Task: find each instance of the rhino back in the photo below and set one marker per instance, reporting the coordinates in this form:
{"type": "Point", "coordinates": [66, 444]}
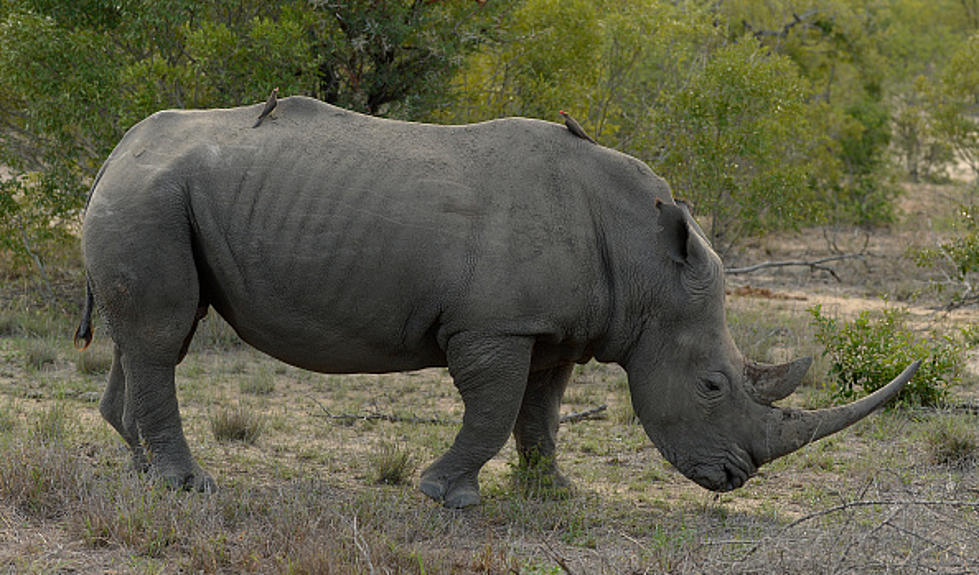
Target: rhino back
{"type": "Point", "coordinates": [340, 242]}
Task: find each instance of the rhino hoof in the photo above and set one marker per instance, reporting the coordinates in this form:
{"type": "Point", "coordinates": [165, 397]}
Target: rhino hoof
{"type": "Point", "coordinates": [198, 481]}
{"type": "Point", "coordinates": [455, 494]}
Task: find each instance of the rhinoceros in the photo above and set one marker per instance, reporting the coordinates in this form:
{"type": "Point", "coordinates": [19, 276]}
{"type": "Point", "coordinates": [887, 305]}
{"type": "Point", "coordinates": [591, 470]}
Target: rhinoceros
{"type": "Point", "coordinates": [507, 250]}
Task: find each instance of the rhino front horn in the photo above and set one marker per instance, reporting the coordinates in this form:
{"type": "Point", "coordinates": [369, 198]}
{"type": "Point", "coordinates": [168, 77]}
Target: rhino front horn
{"type": "Point", "coordinates": [786, 430]}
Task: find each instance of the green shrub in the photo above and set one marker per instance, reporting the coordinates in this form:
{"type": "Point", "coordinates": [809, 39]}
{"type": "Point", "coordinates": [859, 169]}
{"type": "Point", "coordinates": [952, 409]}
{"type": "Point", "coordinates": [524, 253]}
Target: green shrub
{"type": "Point", "coordinates": [957, 258]}
{"type": "Point", "coordinates": [870, 351]}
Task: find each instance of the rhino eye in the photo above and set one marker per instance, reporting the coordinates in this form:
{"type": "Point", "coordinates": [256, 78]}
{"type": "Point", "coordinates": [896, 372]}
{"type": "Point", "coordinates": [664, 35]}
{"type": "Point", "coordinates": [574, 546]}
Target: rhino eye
{"type": "Point", "coordinates": [714, 384]}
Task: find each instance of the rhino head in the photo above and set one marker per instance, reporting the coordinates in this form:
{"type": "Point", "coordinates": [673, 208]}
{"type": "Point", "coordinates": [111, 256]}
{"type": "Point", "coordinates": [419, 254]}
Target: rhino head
{"type": "Point", "coordinates": [707, 408]}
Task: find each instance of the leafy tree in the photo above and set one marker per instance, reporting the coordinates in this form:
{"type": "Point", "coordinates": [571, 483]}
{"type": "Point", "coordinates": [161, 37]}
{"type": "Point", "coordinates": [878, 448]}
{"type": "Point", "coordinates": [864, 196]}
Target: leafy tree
{"type": "Point", "coordinates": [607, 62]}
{"type": "Point", "coordinates": [739, 142]}
{"type": "Point", "coordinates": [75, 75]}
{"type": "Point", "coordinates": [955, 103]}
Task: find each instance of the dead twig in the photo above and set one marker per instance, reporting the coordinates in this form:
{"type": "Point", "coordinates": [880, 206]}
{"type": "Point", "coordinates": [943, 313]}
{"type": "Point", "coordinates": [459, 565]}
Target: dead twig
{"type": "Point", "coordinates": [593, 413]}
{"type": "Point", "coordinates": [813, 264]}
{"type": "Point", "coordinates": [853, 504]}
{"type": "Point", "coordinates": [374, 416]}
{"type": "Point", "coordinates": [390, 417]}
{"type": "Point", "coordinates": [549, 550]}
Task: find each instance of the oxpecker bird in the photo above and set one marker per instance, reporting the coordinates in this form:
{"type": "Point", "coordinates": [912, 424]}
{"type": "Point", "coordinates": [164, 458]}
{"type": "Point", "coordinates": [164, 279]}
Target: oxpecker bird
{"type": "Point", "coordinates": [574, 127]}
{"type": "Point", "coordinates": [269, 106]}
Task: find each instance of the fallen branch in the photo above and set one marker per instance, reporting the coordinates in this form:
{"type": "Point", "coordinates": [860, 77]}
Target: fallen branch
{"type": "Point", "coordinates": [593, 413]}
{"type": "Point", "coordinates": [374, 416]}
{"type": "Point", "coordinates": [814, 264]}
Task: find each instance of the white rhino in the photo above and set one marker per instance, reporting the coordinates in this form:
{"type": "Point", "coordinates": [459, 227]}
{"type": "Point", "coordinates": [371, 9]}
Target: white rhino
{"type": "Point", "coordinates": [507, 250]}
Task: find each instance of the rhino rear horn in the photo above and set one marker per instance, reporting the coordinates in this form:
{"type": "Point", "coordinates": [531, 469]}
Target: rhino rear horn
{"type": "Point", "coordinates": [768, 383]}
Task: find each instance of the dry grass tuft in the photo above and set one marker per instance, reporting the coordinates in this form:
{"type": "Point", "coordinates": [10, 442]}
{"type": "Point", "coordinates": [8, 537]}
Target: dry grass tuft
{"type": "Point", "coordinates": [237, 424]}
{"type": "Point", "coordinates": [96, 360]}
{"type": "Point", "coordinates": [953, 441]}
{"type": "Point", "coordinates": [40, 353]}
{"type": "Point", "coordinates": [393, 464]}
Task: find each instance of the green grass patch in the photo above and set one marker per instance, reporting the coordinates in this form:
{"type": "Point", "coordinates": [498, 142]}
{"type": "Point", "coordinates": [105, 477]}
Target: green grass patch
{"type": "Point", "coordinates": [261, 383]}
{"type": "Point", "coordinates": [393, 464]}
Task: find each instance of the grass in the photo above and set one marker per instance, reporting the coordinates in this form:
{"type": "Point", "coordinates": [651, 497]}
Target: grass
{"type": "Point", "coordinates": [953, 440]}
{"type": "Point", "coordinates": [237, 424]}
{"type": "Point", "coordinates": [40, 353]}
{"type": "Point", "coordinates": [96, 360]}
{"type": "Point", "coordinates": [52, 425]}
{"type": "Point", "coordinates": [392, 464]}
{"type": "Point", "coordinates": [297, 501]}
{"type": "Point", "coordinates": [261, 383]}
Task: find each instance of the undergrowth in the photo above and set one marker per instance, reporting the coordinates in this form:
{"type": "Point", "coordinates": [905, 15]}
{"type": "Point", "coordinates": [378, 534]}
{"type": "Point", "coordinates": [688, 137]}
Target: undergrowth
{"type": "Point", "coordinates": [874, 348]}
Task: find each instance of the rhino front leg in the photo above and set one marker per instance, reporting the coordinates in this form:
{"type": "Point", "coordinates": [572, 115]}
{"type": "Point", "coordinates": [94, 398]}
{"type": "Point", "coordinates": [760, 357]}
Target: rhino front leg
{"type": "Point", "coordinates": [116, 408]}
{"type": "Point", "coordinates": [153, 399]}
{"type": "Point", "coordinates": [491, 375]}
{"type": "Point", "coordinates": [536, 431]}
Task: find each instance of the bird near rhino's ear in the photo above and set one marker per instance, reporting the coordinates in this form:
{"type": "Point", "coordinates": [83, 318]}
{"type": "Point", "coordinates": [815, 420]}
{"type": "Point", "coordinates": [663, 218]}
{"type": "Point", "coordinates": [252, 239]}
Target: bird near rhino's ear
{"type": "Point", "coordinates": [674, 231]}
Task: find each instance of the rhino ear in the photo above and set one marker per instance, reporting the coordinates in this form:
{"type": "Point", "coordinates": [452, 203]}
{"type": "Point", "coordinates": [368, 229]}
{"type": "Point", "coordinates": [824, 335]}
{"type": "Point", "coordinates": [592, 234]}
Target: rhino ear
{"type": "Point", "coordinates": [675, 232]}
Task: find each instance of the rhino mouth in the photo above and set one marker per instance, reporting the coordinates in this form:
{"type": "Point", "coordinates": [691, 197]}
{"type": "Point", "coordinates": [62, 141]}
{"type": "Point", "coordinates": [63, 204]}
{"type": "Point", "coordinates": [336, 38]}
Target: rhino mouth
{"type": "Point", "coordinates": [731, 472]}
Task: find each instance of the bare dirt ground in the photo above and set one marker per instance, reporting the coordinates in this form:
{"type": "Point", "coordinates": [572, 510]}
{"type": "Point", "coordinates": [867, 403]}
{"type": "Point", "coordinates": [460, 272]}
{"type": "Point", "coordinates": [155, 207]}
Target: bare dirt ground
{"type": "Point", "coordinates": [304, 499]}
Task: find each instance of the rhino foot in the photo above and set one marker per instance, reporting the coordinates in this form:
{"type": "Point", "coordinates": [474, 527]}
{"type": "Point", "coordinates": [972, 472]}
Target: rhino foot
{"type": "Point", "coordinates": [456, 493]}
{"type": "Point", "coordinates": [194, 480]}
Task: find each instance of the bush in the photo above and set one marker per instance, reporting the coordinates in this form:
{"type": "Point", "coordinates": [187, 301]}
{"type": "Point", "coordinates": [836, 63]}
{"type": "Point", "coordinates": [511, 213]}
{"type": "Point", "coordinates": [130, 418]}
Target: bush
{"type": "Point", "coordinates": [873, 349]}
{"type": "Point", "coordinates": [957, 258]}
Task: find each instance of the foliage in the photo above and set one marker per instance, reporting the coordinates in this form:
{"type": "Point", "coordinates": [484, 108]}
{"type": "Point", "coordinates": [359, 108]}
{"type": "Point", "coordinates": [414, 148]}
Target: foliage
{"type": "Point", "coordinates": [957, 258]}
{"type": "Point", "coordinates": [740, 143]}
{"type": "Point", "coordinates": [955, 102]}
{"type": "Point", "coordinates": [873, 349]}
{"type": "Point", "coordinates": [75, 76]}
{"type": "Point", "coordinates": [720, 119]}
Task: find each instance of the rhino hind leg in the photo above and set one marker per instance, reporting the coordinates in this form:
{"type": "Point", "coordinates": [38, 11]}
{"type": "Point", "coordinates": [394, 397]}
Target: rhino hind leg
{"type": "Point", "coordinates": [535, 433]}
{"type": "Point", "coordinates": [491, 375]}
{"type": "Point", "coordinates": [154, 402]}
{"type": "Point", "coordinates": [149, 295]}
{"type": "Point", "coordinates": [117, 409]}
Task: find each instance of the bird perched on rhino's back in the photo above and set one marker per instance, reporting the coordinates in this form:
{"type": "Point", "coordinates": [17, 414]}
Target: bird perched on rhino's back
{"type": "Point", "coordinates": [575, 128]}
{"type": "Point", "coordinates": [269, 106]}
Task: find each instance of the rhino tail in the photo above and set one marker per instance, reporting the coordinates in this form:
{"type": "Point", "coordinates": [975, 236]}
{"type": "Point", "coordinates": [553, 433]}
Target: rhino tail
{"type": "Point", "coordinates": [83, 335]}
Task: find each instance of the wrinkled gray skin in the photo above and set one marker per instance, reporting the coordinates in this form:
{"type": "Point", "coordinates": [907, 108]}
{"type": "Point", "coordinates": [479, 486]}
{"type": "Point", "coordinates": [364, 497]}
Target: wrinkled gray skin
{"type": "Point", "coordinates": [507, 250]}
